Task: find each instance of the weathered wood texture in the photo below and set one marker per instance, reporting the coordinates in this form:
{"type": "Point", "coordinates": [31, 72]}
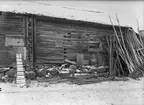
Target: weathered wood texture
{"type": "Point", "coordinates": [11, 25]}
{"type": "Point", "coordinates": [49, 44]}
{"type": "Point", "coordinates": [56, 41]}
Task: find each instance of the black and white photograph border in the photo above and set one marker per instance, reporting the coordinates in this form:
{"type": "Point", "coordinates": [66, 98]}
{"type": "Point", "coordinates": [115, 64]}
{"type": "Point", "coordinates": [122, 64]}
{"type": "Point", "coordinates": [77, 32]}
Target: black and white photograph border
{"type": "Point", "coordinates": [71, 52]}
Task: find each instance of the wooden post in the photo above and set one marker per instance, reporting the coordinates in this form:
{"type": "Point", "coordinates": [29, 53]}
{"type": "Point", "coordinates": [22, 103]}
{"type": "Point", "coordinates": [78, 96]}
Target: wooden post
{"type": "Point", "coordinates": [30, 37]}
{"type": "Point", "coordinates": [34, 42]}
{"type": "Point", "coordinates": [80, 58]}
{"type": "Point", "coordinates": [111, 57]}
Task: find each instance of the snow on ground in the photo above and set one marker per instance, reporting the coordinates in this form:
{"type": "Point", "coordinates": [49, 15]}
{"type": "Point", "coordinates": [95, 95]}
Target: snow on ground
{"type": "Point", "coordinates": [106, 93]}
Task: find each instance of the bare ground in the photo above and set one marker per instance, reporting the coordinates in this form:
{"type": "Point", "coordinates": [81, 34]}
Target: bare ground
{"type": "Point", "coordinates": [129, 92]}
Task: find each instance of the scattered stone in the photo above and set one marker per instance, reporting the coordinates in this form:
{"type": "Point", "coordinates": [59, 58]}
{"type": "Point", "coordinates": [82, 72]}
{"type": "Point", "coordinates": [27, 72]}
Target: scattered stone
{"type": "Point", "coordinates": [38, 78]}
{"type": "Point", "coordinates": [47, 72]}
{"type": "Point", "coordinates": [5, 78]}
{"type": "Point", "coordinates": [64, 66]}
{"type": "Point", "coordinates": [4, 70]}
{"type": "Point", "coordinates": [30, 75]}
{"type": "Point", "coordinates": [11, 73]}
{"type": "Point", "coordinates": [78, 71]}
{"type": "Point", "coordinates": [1, 75]}
{"type": "Point", "coordinates": [48, 75]}
{"type": "Point", "coordinates": [41, 72]}
{"type": "Point", "coordinates": [54, 71]}
{"type": "Point", "coordinates": [73, 67]}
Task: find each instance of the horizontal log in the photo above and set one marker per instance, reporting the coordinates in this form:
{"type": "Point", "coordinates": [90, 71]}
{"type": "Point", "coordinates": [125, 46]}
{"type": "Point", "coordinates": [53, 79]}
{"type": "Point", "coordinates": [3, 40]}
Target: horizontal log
{"type": "Point", "coordinates": [12, 32]}
{"type": "Point", "coordinates": [52, 49]}
{"type": "Point", "coordinates": [48, 24]}
{"type": "Point", "coordinates": [49, 34]}
{"type": "Point", "coordinates": [11, 15]}
{"type": "Point", "coordinates": [55, 29]}
{"type": "Point", "coordinates": [47, 61]}
{"type": "Point", "coordinates": [48, 51]}
{"type": "Point", "coordinates": [51, 58]}
{"type": "Point", "coordinates": [4, 51]}
{"type": "Point", "coordinates": [12, 27]}
{"type": "Point", "coordinates": [6, 61]}
{"type": "Point", "coordinates": [11, 22]}
{"type": "Point", "coordinates": [83, 35]}
{"type": "Point", "coordinates": [71, 58]}
{"type": "Point", "coordinates": [2, 40]}
{"type": "Point", "coordinates": [55, 38]}
{"type": "Point", "coordinates": [70, 55]}
{"type": "Point", "coordinates": [3, 47]}
{"type": "Point", "coordinates": [45, 45]}
{"type": "Point", "coordinates": [72, 38]}
{"type": "Point", "coordinates": [64, 42]}
{"type": "Point", "coordinates": [14, 36]}
{"type": "Point", "coordinates": [16, 20]}
{"type": "Point", "coordinates": [49, 55]}
{"type": "Point", "coordinates": [2, 63]}
{"type": "Point", "coordinates": [45, 42]}
{"type": "Point", "coordinates": [75, 36]}
{"type": "Point", "coordinates": [49, 38]}
{"type": "Point", "coordinates": [38, 53]}
{"type": "Point", "coordinates": [75, 51]}
{"type": "Point", "coordinates": [76, 48]}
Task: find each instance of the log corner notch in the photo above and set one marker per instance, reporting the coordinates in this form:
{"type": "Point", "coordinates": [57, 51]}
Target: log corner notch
{"type": "Point", "coordinates": [29, 23]}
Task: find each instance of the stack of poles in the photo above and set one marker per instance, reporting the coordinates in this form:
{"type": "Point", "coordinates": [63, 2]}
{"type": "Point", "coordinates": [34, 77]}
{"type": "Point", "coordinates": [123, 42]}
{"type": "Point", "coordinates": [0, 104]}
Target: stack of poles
{"type": "Point", "coordinates": [124, 50]}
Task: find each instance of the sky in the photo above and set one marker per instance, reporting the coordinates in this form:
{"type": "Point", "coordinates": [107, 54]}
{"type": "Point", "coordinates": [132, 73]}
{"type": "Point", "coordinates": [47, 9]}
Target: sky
{"type": "Point", "coordinates": [129, 12]}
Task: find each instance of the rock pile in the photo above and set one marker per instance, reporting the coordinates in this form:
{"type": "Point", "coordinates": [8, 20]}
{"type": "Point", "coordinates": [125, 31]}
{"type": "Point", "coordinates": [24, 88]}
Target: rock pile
{"type": "Point", "coordinates": [50, 71]}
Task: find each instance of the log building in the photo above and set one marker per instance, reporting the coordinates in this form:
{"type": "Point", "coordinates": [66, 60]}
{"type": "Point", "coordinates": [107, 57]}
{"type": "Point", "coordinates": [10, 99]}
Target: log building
{"type": "Point", "coordinates": [44, 39]}
{"type": "Point", "coordinates": [50, 39]}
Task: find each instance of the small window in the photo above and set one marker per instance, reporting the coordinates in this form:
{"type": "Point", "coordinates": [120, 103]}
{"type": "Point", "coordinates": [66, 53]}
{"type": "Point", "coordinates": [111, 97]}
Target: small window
{"type": "Point", "coordinates": [94, 46]}
{"type": "Point", "coordinates": [14, 41]}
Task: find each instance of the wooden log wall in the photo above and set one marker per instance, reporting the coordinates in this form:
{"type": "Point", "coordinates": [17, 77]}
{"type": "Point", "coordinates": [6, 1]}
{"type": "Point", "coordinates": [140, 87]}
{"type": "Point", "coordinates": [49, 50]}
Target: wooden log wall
{"type": "Point", "coordinates": [49, 44]}
{"type": "Point", "coordinates": [56, 41]}
{"type": "Point", "coordinates": [10, 25]}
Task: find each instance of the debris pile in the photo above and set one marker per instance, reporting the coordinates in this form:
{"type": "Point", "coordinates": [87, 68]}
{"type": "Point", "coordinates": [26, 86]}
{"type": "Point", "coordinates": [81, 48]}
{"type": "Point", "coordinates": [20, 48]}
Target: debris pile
{"type": "Point", "coordinates": [8, 74]}
{"type": "Point", "coordinates": [68, 71]}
